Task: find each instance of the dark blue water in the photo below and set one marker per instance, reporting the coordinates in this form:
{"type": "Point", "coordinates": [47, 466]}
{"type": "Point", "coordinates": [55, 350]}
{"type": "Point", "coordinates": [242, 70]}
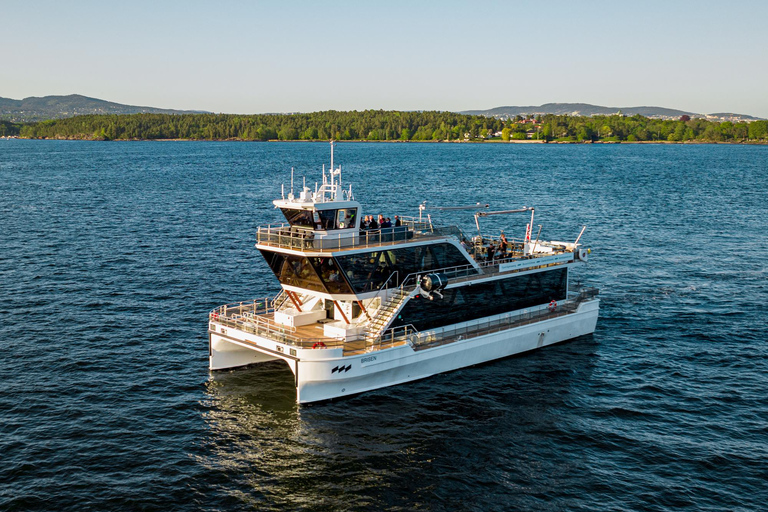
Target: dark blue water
{"type": "Point", "coordinates": [113, 253]}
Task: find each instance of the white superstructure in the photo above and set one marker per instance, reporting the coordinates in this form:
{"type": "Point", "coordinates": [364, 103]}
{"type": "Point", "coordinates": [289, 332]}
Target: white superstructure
{"type": "Point", "coordinates": [364, 308]}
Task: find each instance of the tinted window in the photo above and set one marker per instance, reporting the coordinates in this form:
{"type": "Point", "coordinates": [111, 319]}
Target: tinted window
{"type": "Point", "coordinates": [485, 299]}
{"type": "Point", "coordinates": [293, 270]}
{"type": "Point", "coordinates": [317, 274]}
{"type": "Point", "coordinates": [369, 271]}
{"type": "Point", "coordinates": [331, 275]}
{"type": "Point", "coordinates": [327, 219]}
{"type": "Point", "coordinates": [301, 218]}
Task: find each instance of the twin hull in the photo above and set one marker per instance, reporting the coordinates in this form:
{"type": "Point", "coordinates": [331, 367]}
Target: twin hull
{"type": "Point", "coordinates": [323, 374]}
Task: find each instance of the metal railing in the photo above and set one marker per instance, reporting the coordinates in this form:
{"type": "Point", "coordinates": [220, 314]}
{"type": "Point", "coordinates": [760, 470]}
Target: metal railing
{"type": "Point", "coordinates": [253, 318]}
{"type": "Point", "coordinates": [470, 270]}
{"type": "Point", "coordinates": [286, 236]}
{"type": "Point", "coordinates": [390, 338]}
{"type": "Point", "coordinates": [429, 339]}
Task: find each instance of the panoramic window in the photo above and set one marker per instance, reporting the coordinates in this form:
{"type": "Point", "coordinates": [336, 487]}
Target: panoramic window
{"type": "Point", "coordinates": [293, 270]}
{"type": "Point", "coordinates": [370, 271]}
{"type": "Point", "coordinates": [319, 274]}
{"type": "Point", "coordinates": [331, 275]}
{"type": "Point", "coordinates": [485, 299]}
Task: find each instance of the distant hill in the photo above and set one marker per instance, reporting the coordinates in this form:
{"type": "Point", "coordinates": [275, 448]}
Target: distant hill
{"type": "Point", "coordinates": [58, 107]}
{"type": "Point", "coordinates": [585, 109]}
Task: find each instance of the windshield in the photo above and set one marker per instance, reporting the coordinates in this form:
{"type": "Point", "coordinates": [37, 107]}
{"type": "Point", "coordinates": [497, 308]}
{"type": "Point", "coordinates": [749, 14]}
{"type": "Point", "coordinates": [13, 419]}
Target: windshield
{"type": "Point", "coordinates": [302, 218]}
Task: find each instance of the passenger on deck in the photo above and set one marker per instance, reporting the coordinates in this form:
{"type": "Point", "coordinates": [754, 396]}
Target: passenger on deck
{"type": "Point", "coordinates": [491, 251]}
{"type": "Point", "coordinates": [373, 224]}
{"type": "Point", "coordinates": [503, 244]}
{"type": "Point", "coordinates": [397, 221]}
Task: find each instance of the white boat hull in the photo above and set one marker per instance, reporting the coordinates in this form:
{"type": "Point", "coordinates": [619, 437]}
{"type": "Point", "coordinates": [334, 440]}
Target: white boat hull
{"type": "Point", "coordinates": [325, 374]}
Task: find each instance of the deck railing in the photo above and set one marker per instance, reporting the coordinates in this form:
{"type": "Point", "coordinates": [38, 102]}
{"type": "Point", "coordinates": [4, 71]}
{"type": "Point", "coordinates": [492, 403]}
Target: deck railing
{"type": "Point", "coordinates": [286, 236]}
{"type": "Point", "coordinates": [252, 318]}
{"type": "Point", "coordinates": [437, 337]}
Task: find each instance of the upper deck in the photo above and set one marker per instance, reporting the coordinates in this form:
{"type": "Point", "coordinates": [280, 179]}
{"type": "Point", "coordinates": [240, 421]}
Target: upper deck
{"type": "Point", "coordinates": [285, 236]}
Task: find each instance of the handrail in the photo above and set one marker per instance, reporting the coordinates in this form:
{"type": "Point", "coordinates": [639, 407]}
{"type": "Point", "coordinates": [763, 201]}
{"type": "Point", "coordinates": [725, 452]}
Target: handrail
{"type": "Point", "coordinates": [390, 337]}
{"type": "Point", "coordinates": [428, 339]}
{"type": "Point", "coordinates": [383, 287]}
{"type": "Point", "coordinates": [293, 237]}
{"type": "Point", "coordinates": [457, 271]}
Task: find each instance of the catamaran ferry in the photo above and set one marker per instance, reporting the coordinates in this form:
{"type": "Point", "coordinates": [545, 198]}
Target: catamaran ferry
{"type": "Point", "coordinates": [362, 309]}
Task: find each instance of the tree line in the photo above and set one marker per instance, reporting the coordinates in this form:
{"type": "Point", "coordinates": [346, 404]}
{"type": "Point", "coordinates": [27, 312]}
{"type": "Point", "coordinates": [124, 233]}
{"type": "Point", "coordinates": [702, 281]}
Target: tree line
{"type": "Point", "coordinates": [374, 125]}
{"type": "Point", "coordinates": [365, 125]}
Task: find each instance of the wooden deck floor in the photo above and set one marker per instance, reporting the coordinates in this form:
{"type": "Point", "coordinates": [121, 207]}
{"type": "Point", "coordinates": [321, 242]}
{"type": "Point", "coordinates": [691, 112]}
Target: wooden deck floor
{"type": "Point", "coordinates": [314, 333]}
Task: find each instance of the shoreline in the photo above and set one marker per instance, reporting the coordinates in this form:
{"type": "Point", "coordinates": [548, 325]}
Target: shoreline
{"type": "Point", "coordinates": [663, 142]}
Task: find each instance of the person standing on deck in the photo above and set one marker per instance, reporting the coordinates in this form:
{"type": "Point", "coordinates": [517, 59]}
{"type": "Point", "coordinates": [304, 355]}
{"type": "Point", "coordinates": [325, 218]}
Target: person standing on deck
{"type": "Point", "coordinates": [491, 251]}
{"type": "Point", "coordinates": [503, 246]}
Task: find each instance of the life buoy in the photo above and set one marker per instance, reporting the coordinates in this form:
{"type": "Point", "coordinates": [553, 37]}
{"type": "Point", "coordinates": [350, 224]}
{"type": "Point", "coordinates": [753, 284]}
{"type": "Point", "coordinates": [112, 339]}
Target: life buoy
{"type": "Point", "coordinates": [319, 344]}
{"type": "Point", "coordinates": [214, 316]}
{"type": "Point", "coordinates": [553, 306]}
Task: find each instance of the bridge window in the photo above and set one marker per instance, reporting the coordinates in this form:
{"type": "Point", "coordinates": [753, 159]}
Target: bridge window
{"type": "Point", "coordinates": [299, 218]}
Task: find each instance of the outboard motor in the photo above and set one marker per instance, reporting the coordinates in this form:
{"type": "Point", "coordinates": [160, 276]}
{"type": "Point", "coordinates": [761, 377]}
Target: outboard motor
{"type": "Point", "coordinates": [432, 284]}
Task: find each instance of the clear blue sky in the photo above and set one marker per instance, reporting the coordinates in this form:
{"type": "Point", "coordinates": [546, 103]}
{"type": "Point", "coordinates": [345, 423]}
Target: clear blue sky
{"type": "Point", "coordinates": [281, 56]}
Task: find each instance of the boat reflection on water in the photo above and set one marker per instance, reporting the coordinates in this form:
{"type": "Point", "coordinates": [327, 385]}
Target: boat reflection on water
{"type": "Point", "coordinates": [405, 446]}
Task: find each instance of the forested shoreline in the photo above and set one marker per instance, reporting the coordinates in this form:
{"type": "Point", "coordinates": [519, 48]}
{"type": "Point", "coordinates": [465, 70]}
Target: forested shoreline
{"type": "Point", "coordinates": [379, 125]}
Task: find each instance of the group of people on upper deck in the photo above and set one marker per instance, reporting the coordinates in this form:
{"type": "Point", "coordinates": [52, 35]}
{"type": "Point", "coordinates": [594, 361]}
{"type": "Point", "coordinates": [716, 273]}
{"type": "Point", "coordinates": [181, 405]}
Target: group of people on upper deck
{"type": "Point", "coordinates": [492, 251]}
{"type": "Point", "coordinates": [370, 222]}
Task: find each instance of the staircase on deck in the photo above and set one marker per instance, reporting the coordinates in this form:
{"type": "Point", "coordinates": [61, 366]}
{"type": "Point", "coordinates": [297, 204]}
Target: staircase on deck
{"type": "Point", "coordinates": [385, 315]}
